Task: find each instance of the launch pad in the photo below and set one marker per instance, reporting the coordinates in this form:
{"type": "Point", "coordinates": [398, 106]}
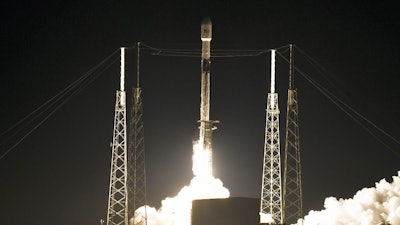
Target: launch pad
{"type": "Point", "coordinates": [177, 210]}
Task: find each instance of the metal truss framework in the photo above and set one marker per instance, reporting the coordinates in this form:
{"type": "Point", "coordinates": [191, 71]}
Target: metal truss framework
{"type": "Point", "coordinates": [271, 184]}
{"type": "Point", "coordinates": [136, 158]}
{"type": "Point", "coordinates": [117, 213]}
{"type": "Point", "coordinates": [292, 192]}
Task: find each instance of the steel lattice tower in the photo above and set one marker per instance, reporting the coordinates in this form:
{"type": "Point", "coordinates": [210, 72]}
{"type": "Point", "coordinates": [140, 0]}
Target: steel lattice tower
{"type": "Point", "coordinates": [136, 154]}
{"type": "Point", "coordinates": [271, 201]}
{"type": "Point", "coordinates": [292, 193]}
{"type": "Point", "coordinates": [117, 213]}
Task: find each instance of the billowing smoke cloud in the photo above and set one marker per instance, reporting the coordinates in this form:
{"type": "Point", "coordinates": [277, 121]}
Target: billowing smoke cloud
{"type": "Point", "coordinates": [177, 210]}
{"type": "Point", "coordinates": [369, 206]}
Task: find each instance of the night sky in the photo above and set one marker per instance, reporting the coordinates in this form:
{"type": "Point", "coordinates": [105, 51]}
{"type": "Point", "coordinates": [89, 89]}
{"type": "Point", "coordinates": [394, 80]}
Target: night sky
{"type": "Point", "coordinates": [60, 173]}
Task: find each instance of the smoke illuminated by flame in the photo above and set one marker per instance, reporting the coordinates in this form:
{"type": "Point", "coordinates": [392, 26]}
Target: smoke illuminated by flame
{"type": "Point", "coordinates": [370, 206]}
{"type": "Point", "coordinates": [177, 210]}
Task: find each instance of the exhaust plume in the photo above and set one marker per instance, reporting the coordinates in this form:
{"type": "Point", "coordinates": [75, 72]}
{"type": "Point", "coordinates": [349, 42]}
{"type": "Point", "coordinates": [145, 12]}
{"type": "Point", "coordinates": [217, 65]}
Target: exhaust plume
{"type": "Point", "coordinates": [177, 210]}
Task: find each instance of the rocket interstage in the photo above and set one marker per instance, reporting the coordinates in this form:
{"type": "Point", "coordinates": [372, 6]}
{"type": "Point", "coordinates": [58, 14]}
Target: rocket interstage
{"type": "Point", "coordinates": [203, 149]}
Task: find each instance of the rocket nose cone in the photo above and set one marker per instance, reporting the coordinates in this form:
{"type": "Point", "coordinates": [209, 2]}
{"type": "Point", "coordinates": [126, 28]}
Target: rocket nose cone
{"type": "Point", "coordinates": [206, 21]}
{"type": "Point", "coordinates": [206, 28]}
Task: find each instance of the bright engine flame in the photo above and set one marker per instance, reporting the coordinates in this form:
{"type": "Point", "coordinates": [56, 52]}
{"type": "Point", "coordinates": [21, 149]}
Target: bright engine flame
{"type": "Point", "coordinates": [202, 165]}
{"type": "Point", "coordinates": [177, 210]}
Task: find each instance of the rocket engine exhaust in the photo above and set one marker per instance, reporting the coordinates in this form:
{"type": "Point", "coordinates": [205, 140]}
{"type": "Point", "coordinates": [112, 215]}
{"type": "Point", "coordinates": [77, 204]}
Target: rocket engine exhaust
{"type": "Point", "coordinates": [204, 145]}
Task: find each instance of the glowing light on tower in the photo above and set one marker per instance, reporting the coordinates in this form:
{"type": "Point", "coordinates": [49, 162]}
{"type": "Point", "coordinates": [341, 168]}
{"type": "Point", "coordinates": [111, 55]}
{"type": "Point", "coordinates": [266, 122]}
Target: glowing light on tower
{"type": "Point", "coordinates": [272, 73]}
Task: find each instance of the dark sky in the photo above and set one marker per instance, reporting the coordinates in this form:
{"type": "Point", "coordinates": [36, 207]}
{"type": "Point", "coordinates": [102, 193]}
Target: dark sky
{"type": "Point", "coordinates": [60, 173]}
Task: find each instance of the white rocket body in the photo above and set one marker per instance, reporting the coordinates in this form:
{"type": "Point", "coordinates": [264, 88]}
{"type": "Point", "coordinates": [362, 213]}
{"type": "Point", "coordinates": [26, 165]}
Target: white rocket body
{"type": "Point", "coordinates": [202, 157]}
{"type": "Point", "coordinates": [205, 69]}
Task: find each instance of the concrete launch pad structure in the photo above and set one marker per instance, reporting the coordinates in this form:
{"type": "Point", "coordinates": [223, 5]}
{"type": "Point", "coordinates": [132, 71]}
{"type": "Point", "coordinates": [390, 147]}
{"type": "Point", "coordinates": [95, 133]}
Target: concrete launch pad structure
{"type": "Point", "coordinates": [232, 211]}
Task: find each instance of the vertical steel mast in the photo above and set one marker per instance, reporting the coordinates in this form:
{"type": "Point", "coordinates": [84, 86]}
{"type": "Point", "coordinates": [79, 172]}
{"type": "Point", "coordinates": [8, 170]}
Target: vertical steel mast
{"type": "Point", "coordinates": [136, 155]}
{"type": "Point", "coordinates": [271, 201]}
{"type": "Point", "coordinates": [117, 213]}
{"type": "Point", "coordinates": [292, 193]}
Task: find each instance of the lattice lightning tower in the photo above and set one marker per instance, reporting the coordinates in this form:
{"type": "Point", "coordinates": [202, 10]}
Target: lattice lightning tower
{"type": "Point", "coordinates": [292, 193]}
{"type": "Point", "coordinates": [136, 154]}
{"type": "Point", "coordinates": [271, 201]}
{"type": "Point", "coordinates": [117, 213]}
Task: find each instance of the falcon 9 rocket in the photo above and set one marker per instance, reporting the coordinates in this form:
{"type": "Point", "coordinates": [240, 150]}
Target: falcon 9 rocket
{"type": "Point", "coordinates": [202, 162]}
